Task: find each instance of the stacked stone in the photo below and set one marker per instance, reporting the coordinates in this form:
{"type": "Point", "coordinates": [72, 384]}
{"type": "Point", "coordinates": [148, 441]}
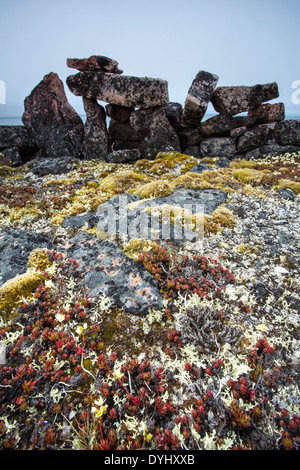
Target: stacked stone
{"type": "Point", "coordinates": [261, 130]}
{"type": "Point", "coordinates": [138, 128]}
{"type": "Point", "coordinates": [142, 121]}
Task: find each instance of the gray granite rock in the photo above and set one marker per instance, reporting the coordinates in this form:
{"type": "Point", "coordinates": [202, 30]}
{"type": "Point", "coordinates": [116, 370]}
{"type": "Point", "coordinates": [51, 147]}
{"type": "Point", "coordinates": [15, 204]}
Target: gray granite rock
{"type": "Point", "coordinates": [105, 270]}
{"type": "Point", "coordinates": [15, 247]}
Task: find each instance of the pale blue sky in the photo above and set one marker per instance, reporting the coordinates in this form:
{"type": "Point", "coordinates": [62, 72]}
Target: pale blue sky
{"type": "Point", "coordinates": [243, 41]}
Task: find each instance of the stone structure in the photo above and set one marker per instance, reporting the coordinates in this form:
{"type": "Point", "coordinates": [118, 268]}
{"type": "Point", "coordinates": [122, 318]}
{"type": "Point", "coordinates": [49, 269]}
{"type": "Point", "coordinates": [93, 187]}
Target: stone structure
{"type": "Point", "coordinates": [138, 120]}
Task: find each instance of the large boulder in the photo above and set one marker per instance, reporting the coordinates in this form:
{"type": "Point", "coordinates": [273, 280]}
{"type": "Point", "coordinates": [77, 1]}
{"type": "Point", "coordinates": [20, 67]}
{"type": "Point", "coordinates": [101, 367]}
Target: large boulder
{"type": "Point", "coordinates": [237, 99]}
{"type": "Point", "coordinates": [198, 97]}
{"type": "Point", "coordinates": [96, 143]}
{"type": "Point", "coordinates": [105, 270]}
{"type": "Point", "coordinates": [93, 63]}
{"type": "Point", "coordinates": [54, 124]}
{"type": "Point", "coordinates": [15, 247]}
{"type": "Point", "coordinates": [122, 90]}
{"type": "Point", "coordinates": [287, 132]}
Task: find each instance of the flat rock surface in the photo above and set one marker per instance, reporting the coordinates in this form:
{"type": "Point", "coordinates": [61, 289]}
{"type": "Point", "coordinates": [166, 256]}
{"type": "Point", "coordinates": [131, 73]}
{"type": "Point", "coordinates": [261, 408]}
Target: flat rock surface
{"type": "Point", "coordinates": [105, 270]}
{"type": "Point", "coordinates": [15, 247]}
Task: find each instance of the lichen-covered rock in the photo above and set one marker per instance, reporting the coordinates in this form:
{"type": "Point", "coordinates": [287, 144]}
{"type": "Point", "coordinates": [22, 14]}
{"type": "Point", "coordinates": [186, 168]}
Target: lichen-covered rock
{"type": "Point", "coordinates": [54, 124]}
{"type": "Point", "coordinates": [237, 99]}
{"type": "Point", "coordinates": [252, 139]}
{"type": "Point", "coordinates": [218, 147]}
{"type": "Point", "coordinates": [105, 270]}
{"type": "Point", "coordinates": [123, 156]}
{"type": "Point", "coordinates": [288, 132]}
{"type": "Point", "coordinates": [174, 112]}
{"type": "Point", "coordinates": [127, 215]}
{"type": "Point", "coordinates": [198, 97]}
{"type": "Point", "coordinates": [122, 90]}
{"type": "Point", "coordinates": [220, 124]}
{"type": "Point", "coordinates": [13, 155]}
{"type": "Point", "coordinates": [42, 166]}
{"type": "Point", "coordinates": [93, 63]}
{"type": "Point", "coordinates": [15, 247]}
{"type": "Point", "coordinates": [189, 137]}
{"type": "Point", "coordinates": [96, 143]}
{"type": "Point", "coordinates": [154, 131]}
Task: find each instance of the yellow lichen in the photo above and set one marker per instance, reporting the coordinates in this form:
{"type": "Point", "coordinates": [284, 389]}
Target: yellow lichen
{"type": "Point", "coordinates": [219, 179]}
{"type": "Point", "coordinates": [223, 217]}
{"type": "Point", "coordinates": [137, 246]}
{"type": "Point", "coordinates": [293, 185]}
{"type": "Point", "coordinates": [174, 163]}
{"type": "Point", "coordinates": [158, 188]}
{"type": "Point", "coordinates": [246, 249]}
{"type": "Point", "coordinates": [248, 175]}
{"type": "Point", "coordinates": [122, 182]}
{"type": "Point", "coordinates": [17, 288]}
{"type": "Point", "coordinates": [39, 259]}
{"type": "Point", "coordinates": [5, 170]}
{"type": "Point", "coordinates": [243, 164]}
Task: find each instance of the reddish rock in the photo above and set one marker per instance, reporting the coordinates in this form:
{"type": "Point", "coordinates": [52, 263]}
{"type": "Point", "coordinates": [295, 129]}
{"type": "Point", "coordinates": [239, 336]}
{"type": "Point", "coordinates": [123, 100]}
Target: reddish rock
{"type": "Point", "coordinates": [122, 131]}
{"type": "Point", "coordinates": [94, 63]}
{"type": "Point", "coordinates": [237, 99]}
{"type": "Point", "coordinates": [267, 113]}
{"type": "Point", "coordinates": [122, 90]}
{"type": "Point", "coordinates": [96, 142]}
{"type": "Point", "coordinates": [51, 120]}
{"type": "Point", "coordinates": [198, 97]}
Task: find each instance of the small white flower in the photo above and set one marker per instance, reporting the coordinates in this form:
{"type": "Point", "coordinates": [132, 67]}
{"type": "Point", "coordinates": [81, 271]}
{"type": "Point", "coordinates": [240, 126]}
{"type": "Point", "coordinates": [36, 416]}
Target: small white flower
{"type": "Point", "coordinates": [60, 317]}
